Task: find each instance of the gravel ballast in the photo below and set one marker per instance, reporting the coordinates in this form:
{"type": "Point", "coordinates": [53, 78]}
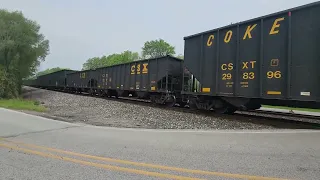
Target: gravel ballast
{"type": "Point", "coordinates": [104, 112]}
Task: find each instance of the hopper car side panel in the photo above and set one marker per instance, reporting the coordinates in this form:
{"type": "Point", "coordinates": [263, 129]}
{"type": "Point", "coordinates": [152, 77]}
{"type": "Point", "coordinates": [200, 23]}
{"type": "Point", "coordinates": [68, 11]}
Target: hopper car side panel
{"type": "Point", "coordinates": [113, 76]}
{"type": "Point", "coordinates": [272, 57]}
{"type": "Point", "coordinates": [132, 78]}
{"type": "Point", "coordinates": [149, 75]}
{"type": "Point", "coordinates": [30, 82]}
{"type": "Point", "coordinates": [117, 77]}
{"type": "Point", "coordinates": [95, 79]}
{"type": "Point", "coordinates": [108, 78]}
{"type": "Point", "coordinates": [80, 81]}
{"type": "Point", "coordinates": [139, 75]}
{"type": "Point", "coordinates": [55, 80]}
{"type": "Point", "coordinates": [122, 76]}
{"type": "Point", "coordinates": [71, 80]}
{"type": "Point", "coordinates": [127, 78]}
{"type": "Point", "coordinates": [157, 77]}
{"type": "Point", "coordinates": [305, 54]}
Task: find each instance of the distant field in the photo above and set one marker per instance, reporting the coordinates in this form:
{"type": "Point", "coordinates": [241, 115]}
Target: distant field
{"type": "Point", "coordinates": [291, 108]}
{"type": "Point", "coordinates": [21, 104]}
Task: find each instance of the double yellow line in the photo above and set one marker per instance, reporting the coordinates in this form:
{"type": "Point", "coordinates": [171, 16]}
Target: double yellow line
{"type": "Point", "coordinates": [15, 146]}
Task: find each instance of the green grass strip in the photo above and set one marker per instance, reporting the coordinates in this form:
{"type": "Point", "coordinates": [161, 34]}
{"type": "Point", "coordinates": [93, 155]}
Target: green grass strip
{"type": "Point", "coordinates": [21, 104]}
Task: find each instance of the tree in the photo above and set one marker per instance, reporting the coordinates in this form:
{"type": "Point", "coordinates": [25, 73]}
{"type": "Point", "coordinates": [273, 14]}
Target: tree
{"type": "Point", "coordinates": [180, 56]}
{"type": "Point", "coordinates": [92, 63]}
{"type": "Point", "coordinates": [52, 70]}
{"type": "Point", "coordinates": [113, 59]}
{"type": "Point", "coordinates": [157, 48]}
{"type": "Point", "coordinates": [22, 49]}
{"type": "Point", "coordinates": [124, 57]}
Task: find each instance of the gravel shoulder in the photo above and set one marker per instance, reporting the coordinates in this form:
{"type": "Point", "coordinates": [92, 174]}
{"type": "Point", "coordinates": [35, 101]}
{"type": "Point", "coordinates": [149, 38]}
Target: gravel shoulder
{"type": "Point", "coordinates": [104, 112]}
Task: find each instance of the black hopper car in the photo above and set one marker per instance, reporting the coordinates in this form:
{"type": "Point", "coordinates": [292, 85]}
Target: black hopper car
{"type": "Point", "coordinates": [158, 79]}
{"type": "Point", "coordinates": [272, 60]}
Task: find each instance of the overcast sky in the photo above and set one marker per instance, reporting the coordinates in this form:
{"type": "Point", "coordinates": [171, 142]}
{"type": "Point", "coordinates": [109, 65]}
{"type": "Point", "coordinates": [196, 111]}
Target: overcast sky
{"type": "Point", "coordinates": [80, 29]}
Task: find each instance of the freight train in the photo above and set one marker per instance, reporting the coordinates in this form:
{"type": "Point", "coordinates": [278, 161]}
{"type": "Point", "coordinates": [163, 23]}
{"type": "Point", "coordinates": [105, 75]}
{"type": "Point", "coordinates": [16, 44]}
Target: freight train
{"type": "Point", "coordinates": [272, 60]}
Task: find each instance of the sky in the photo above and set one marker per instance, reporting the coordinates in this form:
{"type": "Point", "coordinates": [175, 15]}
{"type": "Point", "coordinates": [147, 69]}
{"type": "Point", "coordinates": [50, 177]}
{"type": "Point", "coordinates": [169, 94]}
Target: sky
{"type": "Point", "coordinates": [81, 29]}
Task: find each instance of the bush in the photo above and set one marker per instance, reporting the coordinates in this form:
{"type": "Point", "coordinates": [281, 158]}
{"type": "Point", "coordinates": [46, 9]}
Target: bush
{"type": "Point", "coordinates": [2, 82]}
{"type": "Point", "coordinates": [37, 103]}
{"type": "Point", "coordinates": [9, 87]}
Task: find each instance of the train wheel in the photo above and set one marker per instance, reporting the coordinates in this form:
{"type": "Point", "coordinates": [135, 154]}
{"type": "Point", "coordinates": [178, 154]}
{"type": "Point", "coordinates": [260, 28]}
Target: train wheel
{"type": "Point", "coordinates": [171, 101]}
{"type": "Point", "coordinates": [193, 105]}
{"type": "Point", "coordinates": [182, 104]}
{"type": "Point", "coordinates": [101, 94]}
{"type": "Point", "coordinates": [153, 100]}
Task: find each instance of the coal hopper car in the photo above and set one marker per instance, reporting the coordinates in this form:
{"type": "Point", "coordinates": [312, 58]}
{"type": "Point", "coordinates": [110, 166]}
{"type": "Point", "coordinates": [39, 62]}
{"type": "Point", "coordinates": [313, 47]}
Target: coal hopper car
{"type": "Point", "coordinates": [158, 79]}
{"type": "Point", "coordinates": [272, 60]}
{"type": "Point", "coordinates": [80, 81]}
{"type": "Point", "coordinates": [54, 81]}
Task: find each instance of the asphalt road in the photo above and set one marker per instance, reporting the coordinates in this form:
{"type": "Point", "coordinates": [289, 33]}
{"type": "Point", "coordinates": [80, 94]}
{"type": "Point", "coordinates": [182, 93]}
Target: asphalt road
{"type": "Point", "coordinates": [36, 148]}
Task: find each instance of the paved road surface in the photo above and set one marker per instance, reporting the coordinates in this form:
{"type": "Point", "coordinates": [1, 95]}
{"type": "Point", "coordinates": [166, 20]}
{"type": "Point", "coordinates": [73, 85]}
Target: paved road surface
{"type": "Point", "coordinates": [36, 148]}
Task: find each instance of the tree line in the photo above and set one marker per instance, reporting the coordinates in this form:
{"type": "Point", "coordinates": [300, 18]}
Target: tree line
{"type": "Point", "coordinates": [151, 49]}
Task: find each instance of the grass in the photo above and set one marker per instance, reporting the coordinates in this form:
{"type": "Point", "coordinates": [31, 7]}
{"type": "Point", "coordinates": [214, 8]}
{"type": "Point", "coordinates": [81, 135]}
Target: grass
{"type": "Point", "coordinates": [292, 108]}
{"type": "Point", "coordinates": [21, 104]}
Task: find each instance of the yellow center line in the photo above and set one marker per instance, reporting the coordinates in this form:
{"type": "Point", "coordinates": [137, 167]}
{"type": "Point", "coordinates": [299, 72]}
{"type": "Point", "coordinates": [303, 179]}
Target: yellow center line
{"type": "Point", "coordinates": [104, 166]}
{"type": "Point", "coordinates": [201, 172]}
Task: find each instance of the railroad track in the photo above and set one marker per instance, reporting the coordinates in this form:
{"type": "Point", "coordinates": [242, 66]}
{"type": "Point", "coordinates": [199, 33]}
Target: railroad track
{"type": "Point", "coordinates": [279, 119]}
{"type": "Point", "coordinates": [297, 115]}
{"type": "Point", "coordinates": [257, 112]}
{"type": "Point", "coordinates": [275, 119]}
